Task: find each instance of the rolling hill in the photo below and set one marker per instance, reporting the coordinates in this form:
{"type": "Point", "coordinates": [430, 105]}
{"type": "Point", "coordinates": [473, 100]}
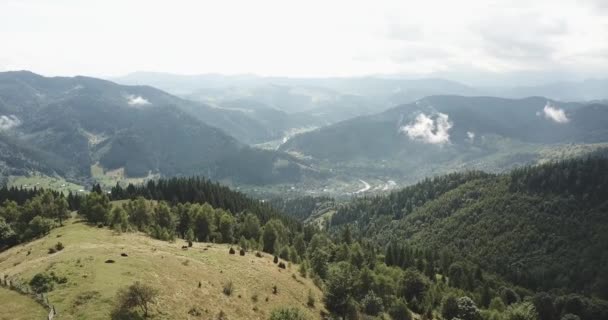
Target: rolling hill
{"type": "Point", "coordinates": [91, 283]}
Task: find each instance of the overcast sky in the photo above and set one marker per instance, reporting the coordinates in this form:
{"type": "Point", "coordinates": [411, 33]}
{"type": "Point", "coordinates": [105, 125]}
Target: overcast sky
{"type": "Point", "coordinates": [456, 39]}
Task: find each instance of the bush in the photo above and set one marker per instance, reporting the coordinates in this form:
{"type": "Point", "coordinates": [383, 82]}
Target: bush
{"type": "Point", "coordinates": [289, 313]}
{"type": "Point", "coordinates": [399, 311]}
{"type": "Point", "coordinates": [137, 295]}
{"type": "Point", "coordinates": [467, 310]}
{"type": "Point", "coordinates": [281, 265]}
{"type": "Point", "coordinates": [242, 252]}
{"type": "Point", "coordinates": [222, 315]}
{"type": "Point", "coordinates": [231, 251]}
{"type": "Point", "coordinates": [449, 307]}
{"type": "Point", "coordinates": [371, 304]}
{"type": "Point", "coordinates": [52, 250]}
{"type": "Point", "coordinates": [311, 299]}
{"type": "Point", "coordinates": [276, 259]}
{"type": "Point", "coordinates": [228, 288]}
{"type": "Point", "coordinates": [258, 254]}
{"type": "Point", "coordinates": [41, 283]}
{"type": "Point", "coordinates": [522, 311]}
{"type": "Point", "coordinates": [59, 246]}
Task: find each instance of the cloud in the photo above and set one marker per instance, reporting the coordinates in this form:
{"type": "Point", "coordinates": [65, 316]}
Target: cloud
{"type": "Point", "coordinates": [137, 100]}
{"type": "Point", "coordinates": [9, 122]}
{"type": "Point", "coordinates": [556, 114]}
{"type": "Point", "coordinates": [471, 136]}
{"type": "Point", "coordinates": [428, 129]}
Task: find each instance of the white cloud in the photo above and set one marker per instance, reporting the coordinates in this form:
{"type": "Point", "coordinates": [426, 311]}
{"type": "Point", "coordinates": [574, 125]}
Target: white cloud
{"type": "Point", "coordinates": [428, 129]}
{"type": "Point", "coordinates": [471, 136]}
{"type": "Point", "coordinates": [137, 100]}
{"type": "Point", "coordinates": [556, 114]}
{"type": "Point", "coordinates": [371, 37]}
{"type": "Point", "coordinates": [9, 122]}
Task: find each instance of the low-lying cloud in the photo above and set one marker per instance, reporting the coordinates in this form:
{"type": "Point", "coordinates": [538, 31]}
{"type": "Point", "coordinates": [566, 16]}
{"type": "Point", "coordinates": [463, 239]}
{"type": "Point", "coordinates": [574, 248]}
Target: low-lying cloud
{"type": "Point", "coordinates": [9, 122]}
{"type": "Point", "coordinates": [554, 113]}
{"type": "Point", "coordinates": [429, 129]}
{"type": "Point", "coordinates": [471, 136]}
{"type": "Point", "coordinates": [137, 100]}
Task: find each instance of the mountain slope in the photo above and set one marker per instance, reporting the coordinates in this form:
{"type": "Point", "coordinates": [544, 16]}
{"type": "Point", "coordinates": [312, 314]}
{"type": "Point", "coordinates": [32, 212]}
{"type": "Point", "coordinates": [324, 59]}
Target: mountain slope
{"type": "Point", "coordinates": [65, 125]}
{"type": "Point", "coordinates": [444, 133]}
{"type": "Point", "coordinates": [540, 227]}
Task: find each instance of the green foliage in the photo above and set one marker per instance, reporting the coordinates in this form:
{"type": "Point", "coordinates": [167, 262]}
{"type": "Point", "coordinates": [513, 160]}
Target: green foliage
{"type": "Point", "coordinates": [137, 295]}
{"type": "Point", "coordinates": [310, 299]}
{"type": "Point", "coordinates": [96, 208]}
{"type": "Point", "coordinates": [399, 310]}
{"type": "Point", "coordinates": [467, 310]}
{"type": "Point", "coordinates": [497, 304]}
{"type": "Point", "coordinates": [338, 288]}
{"type": "Point", "coordinates": [119, 219]}
{"type": "Point", "coordinates": [413, 285]}
{"type": "Point", "coordinates": [521, 311]}
{"type": "Point", "coordinates": [372, 304]}
{"type": "Point", "coordinates": [42, 283]}
{"type": "Point", "coordinates": [449, 307]}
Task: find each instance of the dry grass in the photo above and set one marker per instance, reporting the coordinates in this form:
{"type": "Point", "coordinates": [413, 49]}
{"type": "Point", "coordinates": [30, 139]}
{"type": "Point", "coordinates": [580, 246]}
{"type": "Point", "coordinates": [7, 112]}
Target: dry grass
{"type": "Point", "coordinates": [16, 307]}
{"type": "Point", "coordinates": [92, 284]}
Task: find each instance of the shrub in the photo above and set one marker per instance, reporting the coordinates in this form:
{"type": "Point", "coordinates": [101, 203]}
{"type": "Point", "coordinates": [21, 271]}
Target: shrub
{"type": "Point", "coordinates": [258, 254]}
{"type": "Point", "coordinates": [52, 250]}
{"type": "Point", "coordinates": [228, 288]}
{"type": "Point", "coordinates": [41, 283]}
{"type": "Point", "coordinates": [222, 315]}
{"type": "Point", "coordinates": [242, 252]}
{"type": "Point", "coordinates": [231, 251]}
{"type": "Point", "coordinates": [137, 295]}
{"type": "Point", "coordinates": [467, 310]}
{"type": "Point", "coordinates": [302, 270]}
{"type": "Point", "coordinates": [194, 311]}
{"type": "Point", "coordinates": [399, 311]}
{"type": "Point", "coordinates": [522, 311]}
{"type": "Point", "coordinates": [371, 304]}
{"type": "Point", "coordinates": [275, 290]}
{"type": "Point", "coordinates": [289, 313]}
{"type": "Point", "coordinates": [254, 297]}
{"type": "Point", "coordinates": [449, 307]}
{"type": "Point", "coordinates": [276, 259]}
{"type": "Point", "coordinates": [59, 246]}
{"type": "Point", "coordinates": [311, 299]}
{"type": "Point", "coordinates": [281, 265]}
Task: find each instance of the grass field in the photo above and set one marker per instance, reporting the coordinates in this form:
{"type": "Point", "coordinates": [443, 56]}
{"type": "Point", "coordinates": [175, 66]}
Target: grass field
{"type": "Point", "coordinates": [92, 284]}
{"type": "Point", "coordinates": [41, 181]}
{"type": "Point", "coordinates": [15, 306]}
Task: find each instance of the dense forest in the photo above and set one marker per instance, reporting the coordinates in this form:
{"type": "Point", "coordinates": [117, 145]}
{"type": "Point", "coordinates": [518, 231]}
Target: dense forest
{"type": "Point", "coordinates": [530, 244]}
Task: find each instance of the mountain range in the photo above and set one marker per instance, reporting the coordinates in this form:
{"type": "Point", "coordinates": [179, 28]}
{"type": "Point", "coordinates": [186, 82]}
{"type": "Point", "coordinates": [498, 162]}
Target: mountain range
{"type": "Point", "coordinates": [64, 126]}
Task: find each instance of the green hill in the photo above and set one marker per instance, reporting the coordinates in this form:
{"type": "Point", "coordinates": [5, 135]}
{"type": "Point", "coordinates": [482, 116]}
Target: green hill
{"type": "Point", "coordinates": [544, 228]}
{"type": "Point", "coordinates": [92, 284]}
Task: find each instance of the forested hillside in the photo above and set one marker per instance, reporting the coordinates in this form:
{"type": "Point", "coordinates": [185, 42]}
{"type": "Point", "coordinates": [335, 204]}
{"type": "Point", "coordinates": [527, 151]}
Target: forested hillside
{"type": "Point", "coordinates": [66, 126]}
{"type": "Point", "coordinates": [544, 227]}
{"type": "Point", "coordinates": [470, 246]}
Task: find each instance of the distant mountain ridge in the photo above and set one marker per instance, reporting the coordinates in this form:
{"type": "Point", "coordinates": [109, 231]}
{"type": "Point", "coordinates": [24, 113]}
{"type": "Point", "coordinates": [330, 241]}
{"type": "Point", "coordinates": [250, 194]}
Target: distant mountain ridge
{"type": "Point", "coordinates": [66, 125]}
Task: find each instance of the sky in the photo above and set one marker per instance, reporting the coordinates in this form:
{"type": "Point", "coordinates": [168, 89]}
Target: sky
{"type": "Point", "coordinates": [474, 41]}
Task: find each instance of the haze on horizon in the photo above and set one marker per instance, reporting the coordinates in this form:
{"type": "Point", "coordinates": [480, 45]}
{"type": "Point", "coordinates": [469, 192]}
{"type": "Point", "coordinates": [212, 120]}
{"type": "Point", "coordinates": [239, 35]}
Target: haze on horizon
{"type": "Point", "coordinates": [473, 41]}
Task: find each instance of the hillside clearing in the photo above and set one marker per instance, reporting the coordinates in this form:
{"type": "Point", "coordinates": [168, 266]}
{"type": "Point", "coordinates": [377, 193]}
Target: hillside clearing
{"type": "Point", "coordinates": [92, 284]}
